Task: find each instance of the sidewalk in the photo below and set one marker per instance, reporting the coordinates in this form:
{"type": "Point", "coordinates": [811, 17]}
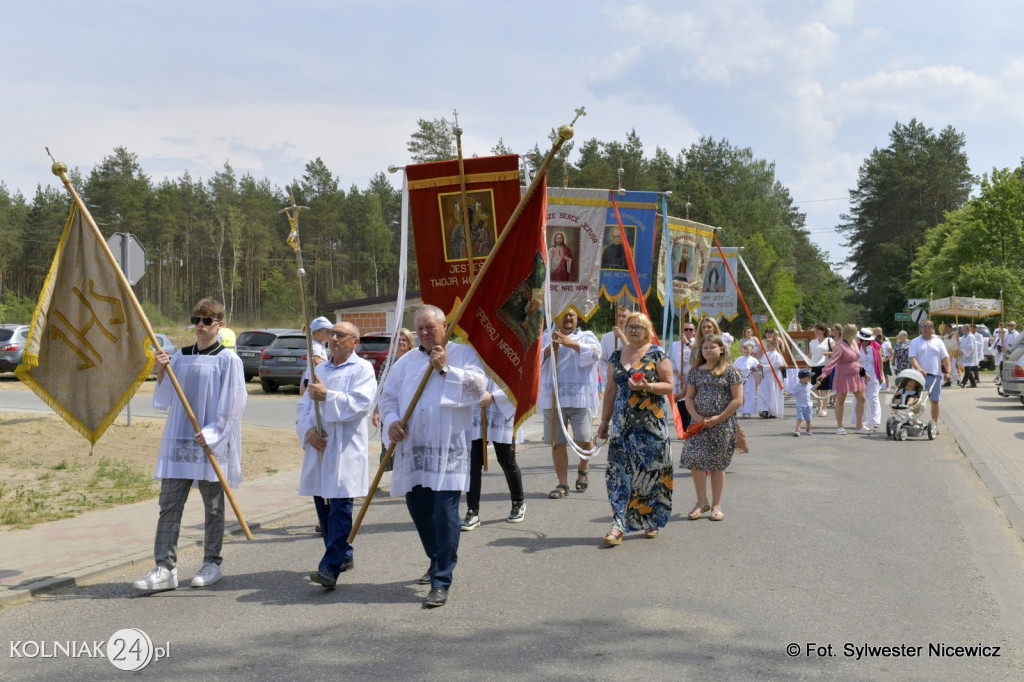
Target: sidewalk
{"type": "Point", "coordinates": [58, 555]}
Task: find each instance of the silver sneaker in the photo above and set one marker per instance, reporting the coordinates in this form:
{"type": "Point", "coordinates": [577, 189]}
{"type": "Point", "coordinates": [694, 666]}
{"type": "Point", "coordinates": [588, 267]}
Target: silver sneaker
{"type": "Point", "coordinates": [208, 574]}
{"type": "Point", "coordinates": [159, 579]}
{"type": "Point", "coordinates": [471, 521]}
{"type": "Point", "coordinates": [518, 513]}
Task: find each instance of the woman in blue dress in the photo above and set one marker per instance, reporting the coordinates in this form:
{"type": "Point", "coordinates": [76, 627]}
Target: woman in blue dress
{"type": "Point", "coordinates": [639, 475]}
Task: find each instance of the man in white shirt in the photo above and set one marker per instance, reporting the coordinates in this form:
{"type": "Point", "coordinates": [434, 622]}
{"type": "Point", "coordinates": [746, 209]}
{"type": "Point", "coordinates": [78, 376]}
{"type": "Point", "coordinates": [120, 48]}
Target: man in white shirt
{"type": "Point", "coordinates": [335, 468]}
{"type": "Point", "coordinates": [1007, 340]}
{"type": "Point", "coordinates": [969, 352]}
{"type": "Point", "coordinates": [579, 353]}
{"type": "Point", "coordinates": [928, 355]}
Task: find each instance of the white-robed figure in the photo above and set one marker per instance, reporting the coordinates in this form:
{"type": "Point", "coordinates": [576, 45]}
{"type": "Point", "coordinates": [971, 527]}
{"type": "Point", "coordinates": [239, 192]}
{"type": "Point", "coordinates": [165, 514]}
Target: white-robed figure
{"type": "Point", "coordinates": [750, 369]}
{"type": "Point", "coordinates": [770, 397]}
{"type": "Point", "coordinates": [679, 355]}
{"type": "Point", "coordinates": [969, 357]}
{"type": "Point", "coordinates": [343, 388]}
{"type": "Point", "coordinates": [579, 355]}
{"type": "Point", "coordinates": [213, 381]}
{"type": "Point", "coordinates": [501, 432]}
{"type": "Point", "coordinates": [432, 451]}
{"type": "Point", "coordinates": [871, 363]}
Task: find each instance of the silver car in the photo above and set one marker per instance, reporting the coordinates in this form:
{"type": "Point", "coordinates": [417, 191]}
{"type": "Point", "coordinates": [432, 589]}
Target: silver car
{"type": "Point", "coordinates": [1012, 377]}
{"type": "Point", "coordinates": [12, 345]}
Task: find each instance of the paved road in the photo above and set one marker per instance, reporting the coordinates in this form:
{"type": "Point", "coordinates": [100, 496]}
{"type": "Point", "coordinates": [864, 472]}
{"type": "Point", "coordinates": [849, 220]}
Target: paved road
{"type": "Point", "coordinates": [839, 541]}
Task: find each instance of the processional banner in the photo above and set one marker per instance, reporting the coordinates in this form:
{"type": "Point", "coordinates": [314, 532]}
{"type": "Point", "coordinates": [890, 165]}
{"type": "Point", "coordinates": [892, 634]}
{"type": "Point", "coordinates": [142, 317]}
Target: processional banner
{"type": "Point", "coordinates": [638, 211]}
{"type": "Point", "coordinates": [717, 292]}
{"type": "Point", "coordinates": [689, 246]}
{"type": "Point", "coordinates": [87, 350]}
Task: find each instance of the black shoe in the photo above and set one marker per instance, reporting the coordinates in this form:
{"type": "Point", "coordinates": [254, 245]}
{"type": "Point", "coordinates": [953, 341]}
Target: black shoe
{"type": "Point", "coordinates": [424, 579]}
{"type": "Point", "coordinates": [471, 521]}
{"type": "Point", "coordinates": [947, 384]}
{"type": "Point", "coordinates": [438, 597]}
{"type": "Point", "coordinates": [763, 414]}
{"type": "Point", "coordinates": [348, 566]}
{"type": "Point", "coordinates": [518, 512]}
{"type": "Point", "coordinates": [324, 579]}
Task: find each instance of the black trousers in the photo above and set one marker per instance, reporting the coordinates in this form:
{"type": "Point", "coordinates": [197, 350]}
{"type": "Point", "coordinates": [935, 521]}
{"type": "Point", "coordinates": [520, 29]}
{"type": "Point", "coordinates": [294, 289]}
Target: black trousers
{"type": "Point", "coordinates": [506, 454]}
{"type": "Point", "coordinates": [683, 413]}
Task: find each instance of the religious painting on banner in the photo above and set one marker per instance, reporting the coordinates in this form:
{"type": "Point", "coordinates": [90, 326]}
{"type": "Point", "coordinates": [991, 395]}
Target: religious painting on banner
{"type": "Point", "coordinates": [504, 319]}
{"type": "Point", "coordinates": [575, 227]}
{"type": "Point", "coordinates": [445, 238]}
{"type": "Point", "coordinates": [638, 211]}
{"type": "Point", "coordinates": [87, 350]}
{"type": "Point", "coordinates": [717, 292]}
{"type": "Point", "coordinates": [689, 245]}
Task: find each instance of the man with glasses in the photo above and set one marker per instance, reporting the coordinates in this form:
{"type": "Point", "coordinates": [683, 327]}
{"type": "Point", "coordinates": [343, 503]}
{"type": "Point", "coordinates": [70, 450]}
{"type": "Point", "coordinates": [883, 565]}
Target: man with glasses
{"type": "Point", "coordinates": [213, 381]}
{"type": "Point", "coordinates": [928, 355]}
{"type": "Point", "coordinates": [679, 355]}
{"type": "Point", "coordinates": [432, 455]}
{"type": "Point", "coordinates": [334, 467]}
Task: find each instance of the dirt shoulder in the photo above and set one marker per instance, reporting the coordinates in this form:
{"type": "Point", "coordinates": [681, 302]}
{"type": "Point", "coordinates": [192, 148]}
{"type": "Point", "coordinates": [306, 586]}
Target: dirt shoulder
{"type": "Point", "coordinates": [47, 473]}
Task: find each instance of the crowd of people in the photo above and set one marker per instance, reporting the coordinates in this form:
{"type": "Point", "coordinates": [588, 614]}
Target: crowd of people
{"type": "Point", "coordinates": [438, 411]}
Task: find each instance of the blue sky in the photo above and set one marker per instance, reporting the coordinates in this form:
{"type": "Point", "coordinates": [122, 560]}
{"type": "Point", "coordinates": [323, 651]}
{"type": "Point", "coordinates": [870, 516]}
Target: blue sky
{"type": "Point", "coordinates": [812, 85]}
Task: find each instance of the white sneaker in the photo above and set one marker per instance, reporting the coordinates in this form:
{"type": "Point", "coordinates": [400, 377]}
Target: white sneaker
{"type": "Point", "coordinates": [159, 579]}
{"type": "Point", "coordinates": [796, 433]}
{"type": "Point", "coordinates": [864, 430]}
{"type": "Point", "coordinates": [208, 574]}
{"type": "Point", "coordinates": [840, 431]}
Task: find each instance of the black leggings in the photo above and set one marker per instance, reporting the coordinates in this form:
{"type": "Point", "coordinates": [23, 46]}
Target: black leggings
{"type": "Point", "coordinates": [506, 454]}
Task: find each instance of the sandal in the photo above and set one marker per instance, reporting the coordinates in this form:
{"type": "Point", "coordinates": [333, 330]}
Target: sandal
{"type": "Point", "coordinates": [582, 480]}
{"type": "Point", "coordinates": [698, 511]}
{"type": "Point", "coordinates": [716, 514]}
{"type": "Point", "coordinates": [560, 491]}
{"type": "Point", "coordinates": [613, 538]}
{"type": "Point", "coordinates": [651, 533]}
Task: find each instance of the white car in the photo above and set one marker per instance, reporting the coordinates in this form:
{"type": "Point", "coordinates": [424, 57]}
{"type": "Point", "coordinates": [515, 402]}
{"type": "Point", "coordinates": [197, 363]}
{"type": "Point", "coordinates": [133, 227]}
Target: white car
{"type": "Point", "coordinates": [1012, 376]}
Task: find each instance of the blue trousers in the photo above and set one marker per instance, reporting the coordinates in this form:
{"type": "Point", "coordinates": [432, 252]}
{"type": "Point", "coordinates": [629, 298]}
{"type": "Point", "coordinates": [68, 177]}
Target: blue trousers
{"type": "Point", "coordinates": [335, 523]}
{"type": "Point", "coordinates": [435, 513]}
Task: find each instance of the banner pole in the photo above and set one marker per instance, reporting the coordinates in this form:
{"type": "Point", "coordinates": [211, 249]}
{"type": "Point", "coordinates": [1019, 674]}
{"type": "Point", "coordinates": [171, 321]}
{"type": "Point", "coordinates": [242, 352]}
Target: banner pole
{"type": "Point", "coordinates": [60, 169]}
{"type": "Point", "coordinates": [565, 133]}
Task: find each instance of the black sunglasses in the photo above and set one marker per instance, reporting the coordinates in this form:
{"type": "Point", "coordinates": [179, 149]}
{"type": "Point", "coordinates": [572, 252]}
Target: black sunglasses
{"type": "Point", "coordinates": [207, 321]}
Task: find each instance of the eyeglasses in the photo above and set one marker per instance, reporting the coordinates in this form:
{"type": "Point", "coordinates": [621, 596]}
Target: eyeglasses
{"type": "Point", "coordinates": [634, 327]}
{"type": "Point", "coordinates": [342, 335]}
{"type": "Point", "coordinates": [688, 329]}
{"type": "Point", "coordinates": [207, 321]}
{"type": "Point", "coordinates": [926, 326]}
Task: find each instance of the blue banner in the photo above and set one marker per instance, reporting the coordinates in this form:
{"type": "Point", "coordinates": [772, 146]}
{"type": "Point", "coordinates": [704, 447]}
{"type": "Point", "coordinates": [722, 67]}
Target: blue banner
{"type": "Point", "coordinates": [638, 211]}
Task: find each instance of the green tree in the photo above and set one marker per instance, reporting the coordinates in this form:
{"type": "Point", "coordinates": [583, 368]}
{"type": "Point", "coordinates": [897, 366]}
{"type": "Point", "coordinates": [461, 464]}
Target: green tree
{"type": "Point", "coordinates": [433, 140]}
{"type": "Point", "coordinates": [902, 192]}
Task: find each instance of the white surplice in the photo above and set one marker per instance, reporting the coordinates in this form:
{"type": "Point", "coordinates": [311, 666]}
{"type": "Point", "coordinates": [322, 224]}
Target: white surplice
{"type": "Point", "coordinates": [343, 471]}
{"type": "Point", "coordinates": [215, 388]}
{"type": "Point", "coordinates": [577, 373]}
{"type": "Point", "coordinates": [501, 418]}
{"type": "Point", "coordinates": [435, 453]}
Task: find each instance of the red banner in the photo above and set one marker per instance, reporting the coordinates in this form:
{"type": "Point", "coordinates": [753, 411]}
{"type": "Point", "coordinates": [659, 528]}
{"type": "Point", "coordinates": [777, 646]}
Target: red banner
{"type": "Point", "coordinates": [504, 320]}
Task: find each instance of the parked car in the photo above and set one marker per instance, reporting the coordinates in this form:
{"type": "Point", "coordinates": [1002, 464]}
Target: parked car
{"type": "Point", "coordinates": [374, 348]}
{"type": "Point", "coordinates": [249, 346]}
{"type": "Point", "coordinates": [166, 345]}
{"type": "Point", "coordinates": [283, 362]}
{"type": "Point", "coordinates": [989, 359]}
{"type": "Point", "coordinates": [1012, 376]}
{"type": "Point", "coordinates": [12, 345]}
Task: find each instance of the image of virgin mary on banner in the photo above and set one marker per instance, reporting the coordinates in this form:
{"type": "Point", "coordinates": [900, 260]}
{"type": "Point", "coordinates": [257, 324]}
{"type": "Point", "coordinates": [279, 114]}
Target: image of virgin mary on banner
{"type": "Point", "coordinates": [638, 211]}
{"type": "Point", "coordinates": [717, 292]}
{"type": "Point", "coordinates": [689, 246]}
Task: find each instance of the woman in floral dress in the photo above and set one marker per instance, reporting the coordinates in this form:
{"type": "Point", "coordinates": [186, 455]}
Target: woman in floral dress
{"type": "Point", "coordinates": [639, 475]}
{"type": "Point", "coordinates": [714, 391]}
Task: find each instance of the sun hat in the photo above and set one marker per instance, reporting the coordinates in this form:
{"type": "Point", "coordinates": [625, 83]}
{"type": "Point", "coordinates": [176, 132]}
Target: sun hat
{"type": "Point", "coordinates": [320, 323]}
{"type": "Point", "coordinates": [865, 334]}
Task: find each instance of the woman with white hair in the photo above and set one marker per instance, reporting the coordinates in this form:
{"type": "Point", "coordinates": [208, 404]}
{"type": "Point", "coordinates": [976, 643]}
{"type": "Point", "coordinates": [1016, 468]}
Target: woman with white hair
{"type": "Point", "coordinates": [901, 353]}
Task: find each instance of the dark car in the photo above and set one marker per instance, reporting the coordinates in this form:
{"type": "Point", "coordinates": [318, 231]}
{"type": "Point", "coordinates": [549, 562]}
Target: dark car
{"type": "Point", "coordinates": [249, 346]}
{"type": "Point", "coordinates": [374, 348]}
{"type": "Point", "coordinates": [283, 362]}
{"type": "Point", "coordinates": [12, 345]}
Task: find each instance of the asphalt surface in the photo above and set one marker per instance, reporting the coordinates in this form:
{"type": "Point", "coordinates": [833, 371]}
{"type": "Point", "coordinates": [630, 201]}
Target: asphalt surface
{"type": "Point", "coordinates": [830, 541]}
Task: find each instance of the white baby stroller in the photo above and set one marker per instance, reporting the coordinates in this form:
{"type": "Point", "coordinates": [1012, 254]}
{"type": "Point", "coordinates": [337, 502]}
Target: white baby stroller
{"type": "Point", "coordinates": [908, 408]}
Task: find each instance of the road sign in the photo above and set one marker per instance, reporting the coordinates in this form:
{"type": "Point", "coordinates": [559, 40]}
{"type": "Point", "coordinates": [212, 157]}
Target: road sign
{"type": "Point", "coordinates": [915, 303]}
{"type": "Point", "coordinates": [918, 315]}
{"type": "Point", "coordinates": [129, 254]}
{"type": "Point", "coordinates": [903, 317]}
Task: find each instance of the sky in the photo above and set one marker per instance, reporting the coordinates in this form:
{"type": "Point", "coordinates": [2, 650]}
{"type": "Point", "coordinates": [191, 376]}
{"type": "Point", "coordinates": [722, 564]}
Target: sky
{"type": "Point", "coordinates": [811, 85]}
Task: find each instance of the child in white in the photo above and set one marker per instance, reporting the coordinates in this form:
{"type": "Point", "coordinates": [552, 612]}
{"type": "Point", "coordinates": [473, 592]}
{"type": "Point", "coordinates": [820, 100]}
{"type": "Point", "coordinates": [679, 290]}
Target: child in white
{"type": "Point", "coordinates": [750, 369]}
{"type": "Point", "coordinates": [769, 393]}
{"type": "Point", "coordinates": [802, 393]}
{"type": "Point", "coordinates": [906, 396]}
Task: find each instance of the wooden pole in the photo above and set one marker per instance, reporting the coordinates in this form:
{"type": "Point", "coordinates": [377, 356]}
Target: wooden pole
{"type": "Point", "coordinates": [60, 170]}
{"type": "Point", "coordinates": [468, 227]}
{"type": "Point", "coordinates": [565, 134]}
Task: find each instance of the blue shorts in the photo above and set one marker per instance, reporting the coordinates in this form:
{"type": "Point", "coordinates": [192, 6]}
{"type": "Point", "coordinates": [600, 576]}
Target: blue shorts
{"type": "Point", "coordinates": [933, 383]}
{"type": "Point", "coordinates": [803, 413]}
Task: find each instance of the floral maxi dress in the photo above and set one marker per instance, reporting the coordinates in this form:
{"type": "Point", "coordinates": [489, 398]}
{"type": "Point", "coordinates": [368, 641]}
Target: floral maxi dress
{"type": "Point", "coordinates": [711, 449]}
{"type": "Point", "coordinates": [639, 475]}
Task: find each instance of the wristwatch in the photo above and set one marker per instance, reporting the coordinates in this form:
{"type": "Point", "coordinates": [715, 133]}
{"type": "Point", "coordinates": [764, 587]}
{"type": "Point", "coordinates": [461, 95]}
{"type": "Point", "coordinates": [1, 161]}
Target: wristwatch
{"type": "Point", "coordinates": [443, 370]}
